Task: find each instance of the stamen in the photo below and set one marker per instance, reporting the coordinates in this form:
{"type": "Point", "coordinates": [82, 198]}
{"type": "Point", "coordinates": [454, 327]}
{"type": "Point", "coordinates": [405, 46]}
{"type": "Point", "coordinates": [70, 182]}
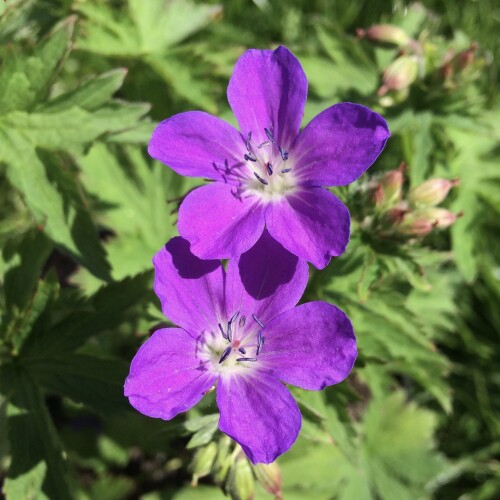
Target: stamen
{"type": "Point", "coordinates": [285, 170]}
{"type": "Point", "coordinates": [269, 135]}
{"type": "Point", "coordinates": [246, 359]}
{"type": "Point", "coordinates": [250, 157]}
{"type": "Point", "coordinates": [225, 354]}
{"type": "Point", "coordinates": [222, 331]}
{"type": "Point", "coordinates": [269, 168]}
{"type": "Point", "coordinates": [242, 321]}
{"type": "Point", "coordinates": [263, 144]}
{"type": "Point", "coordinates": [242, 350]}
{"type": "Point", "coordinates": [234, 316]}
{"type": "Point", "coordinates": [260, 342]}
{"type": "Point", "coordinates": [229, 334]}
{"type": "Point", "coordinates": [249, 139]}
{"type": "Point", "coordinates": [260, 179]}
{"type": "Point", "coordinates": [283, 153]}
{"type": "Point", "coordinates": [257, 321]}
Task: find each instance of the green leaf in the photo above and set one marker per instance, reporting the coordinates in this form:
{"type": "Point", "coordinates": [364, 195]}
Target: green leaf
{"type": "Point", "coordinates": [96, 382]}
{"type": "Point", "coordinates": [34, 444]}
{"type": "Point", "coordinates": [26, 80]}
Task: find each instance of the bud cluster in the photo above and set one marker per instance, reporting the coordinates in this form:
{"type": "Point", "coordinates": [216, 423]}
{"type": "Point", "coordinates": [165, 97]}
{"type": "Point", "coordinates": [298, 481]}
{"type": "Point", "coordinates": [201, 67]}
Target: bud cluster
{"type": "Point", "coordinates": [229, 467]}
{"type": "Point", "coordinates": [391, 213]}
{"type": "Point", "coordinates": [425, 63]}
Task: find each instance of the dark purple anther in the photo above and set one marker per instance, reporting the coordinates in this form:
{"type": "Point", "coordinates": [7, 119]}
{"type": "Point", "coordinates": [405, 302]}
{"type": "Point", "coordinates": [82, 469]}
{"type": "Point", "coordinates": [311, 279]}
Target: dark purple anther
{"type": "Point", "coordinates": [283, 153]}
{"type": "Point", "coordinates": [225, 354]}
{"type": "Point", "coordinates": [250, 157]}
{"type": "Point", "coordinates": [257, 320]}
{"type": "Point", "coordinates": [269, 168]}
{"type": "Point", "coordinates": [285, 170]}
{"type": "Point", "coordinates": [234, 316]}
{"type": "Point", "coordinates": [246, 359]}
{"type": "Point", "coordinates": [269, 135]}
{"type": "Point", "coordinates": [229, 333]}
{"type": "Point", "coordinates": [264, 144]}
{"type": "Point", "coordinates": [249, 139]}
{"type": "Point", "coordinates": [222, 331]}
{"type": "Point", "coordinates": [260, 179]}
{"type": "Point", "coordinates": [243, 320]}
{"type": "Point", "coordinates": [242, 350]}
{"type": "Point", "coordinates": [260, 342]}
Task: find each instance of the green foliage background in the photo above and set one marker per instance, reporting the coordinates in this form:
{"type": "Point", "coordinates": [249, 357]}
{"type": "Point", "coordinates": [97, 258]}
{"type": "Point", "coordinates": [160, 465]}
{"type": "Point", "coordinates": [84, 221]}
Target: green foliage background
{"type": "Point", "coordinates": [83, 209]}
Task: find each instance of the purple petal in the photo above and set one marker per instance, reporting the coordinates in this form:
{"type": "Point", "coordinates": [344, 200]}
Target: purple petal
{"type": "Point", "coordinates": [196, 144]}
{"type": "Point", "coordinates": [339, 144]}
{"type": "Point", "coordinates": [311, 223]}
{"type": "Point", "coordinates": [266, 280]}
{"type": "Point", "coordinates": [268, 89]}
{"type": "Point", "coordinates": [260, 414]}
{"type": "Point", "coordinates": [166, 378]}
{"type": "Point", "coordinates": [218, 223]}
{"type": "Point", "coordinates": [191, 290]}
{"type": "Point", "coordinates": [311, 346]}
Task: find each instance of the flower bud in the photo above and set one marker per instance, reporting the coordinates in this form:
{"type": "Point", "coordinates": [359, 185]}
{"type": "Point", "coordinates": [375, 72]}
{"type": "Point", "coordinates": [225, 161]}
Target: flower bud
{"type": "Point", "coordinates": [387, 189]}
{"type": "Point", "coordinates": [431, 193]}
{"type": "Point", "coordinates": [223, 461]}
{"type": "Point", "coordinates": [269, 476]}
{"type": "Point", "coordinates": [466, 58]}
{"type": "Point", "coordinates": [422, 222]}
{"type": "Point", "coordinates": [241, 484]}
{"type": "Point", "coordinates": [385, 34]}
{"type": "Point", "coordinates": [202, 462]}
{"type": "Point", "coordinates": [399, 75]}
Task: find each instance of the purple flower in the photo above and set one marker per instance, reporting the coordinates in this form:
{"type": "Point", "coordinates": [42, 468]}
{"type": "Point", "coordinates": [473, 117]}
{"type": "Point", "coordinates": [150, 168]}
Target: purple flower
{"type": "Point", "coordinates": [268, 174]}
{"type": "Point", "coordinates": [240, 329]}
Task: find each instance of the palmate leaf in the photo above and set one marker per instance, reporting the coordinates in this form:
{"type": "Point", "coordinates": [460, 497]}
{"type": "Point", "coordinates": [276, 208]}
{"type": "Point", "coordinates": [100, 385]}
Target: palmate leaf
{"type": "Point", "coordinates": [134, 198]}
{"type": "Point", "coordinates": [390, 454]}
{"type": "Point", "coordinates": [29, 129]}
{"type": "Point", "coordinates": [150, 33]}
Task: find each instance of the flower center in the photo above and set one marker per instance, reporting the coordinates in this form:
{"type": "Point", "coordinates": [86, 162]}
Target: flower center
{"type": "Point", "coordinates": [271, 175]}
{"type": "Point", "coordinates": [234, 347]}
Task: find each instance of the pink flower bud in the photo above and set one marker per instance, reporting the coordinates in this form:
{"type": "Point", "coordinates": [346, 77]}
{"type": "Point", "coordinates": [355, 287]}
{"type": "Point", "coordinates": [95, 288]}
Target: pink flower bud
{"type": "Point", "coordinates": [399, 75]}
{"type": "Point", "coordinates": [387, 189]}
{"type": "Point", "coordinates": [385, 34]}
{"type": "Point", "coordinates": [422, 222]}
{"type": "Point", "coordinates": [269, 476]}
{"type": "Point", "coordinates": [431, 193]}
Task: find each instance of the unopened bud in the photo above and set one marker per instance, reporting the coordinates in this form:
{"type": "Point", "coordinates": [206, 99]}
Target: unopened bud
{"type": "Point", "coordinates": [241, 483]}
{"type": "Point", "coordinates": [385, 34]}
{"type": "Point", "coordinates": [388, 188]}
{"type": "Point", "coordinates": [466, 58]}
{"type": "Point", "coordinates": [422, 222]}
{"type": "Point", "coordinates": [432, 192]}
{"type": "Point", "coordinates": [399, 75]}
{"type": "Point", "coordinates": [269, 476]}
{"type": "Point", "coordinates": [202, 462]}
{"type": "Point", "coordinates": [223, 461]}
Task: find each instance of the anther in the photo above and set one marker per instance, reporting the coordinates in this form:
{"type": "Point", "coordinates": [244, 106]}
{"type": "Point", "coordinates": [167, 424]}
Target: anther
{"type": "Point", "coordinates": [242, 350]}
{"type": "Point", "coordinates": [249, 139]}
{"type": "Point", "coordinates": [285, 170]}
{"type": "Point", "coordinates": [246, 359]}
{"type": "Point", "coordinates": [260, 179]}
{"type": "Point", "coordinates": [263, 144]}
{"type": "Point", "coordinates": [260, 342]}
{"type": "Point", "coordinates": [223, 332]}
{"type": "Point", "coordinates": [257, 321]}
{"type": "Point", "coordinates": [283, 153]}
{"type": "Point", "coordinates": [242, 321]}
{"type": "Point", "coordinates": [234, 316]}
{"type": "Point", "coordinates": [229, 334]}
{"type": "Point", "coordinates": [225, 354]}
{"type": "Point", "coordinates": [269, 135]}
{"type": "Point", "coordinates": [250, 157]}
{"type": "Point", "coordinates": [269, 168]}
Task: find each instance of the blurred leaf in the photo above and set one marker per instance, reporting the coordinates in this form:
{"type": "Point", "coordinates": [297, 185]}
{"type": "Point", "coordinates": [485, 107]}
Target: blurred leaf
{"type": "Point", "coordinates": [34, 444]}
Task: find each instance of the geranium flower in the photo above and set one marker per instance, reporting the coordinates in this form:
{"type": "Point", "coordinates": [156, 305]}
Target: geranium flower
{"type": "Point", "coordinates": [240, 330]}
{"type": "Point", "coordinates": [268, 174]}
